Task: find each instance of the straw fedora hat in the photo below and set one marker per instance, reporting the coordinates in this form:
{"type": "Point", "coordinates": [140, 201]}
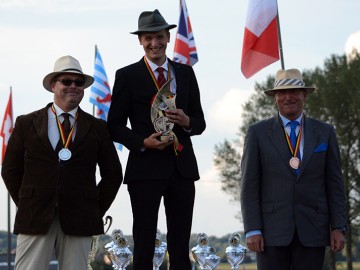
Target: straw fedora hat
{"type": "Point", "coordinates": [66, 64]}
{"type": "Point", "coordinates": [289, 79]}
{"type": "Point", "coordinates": [152, 21]}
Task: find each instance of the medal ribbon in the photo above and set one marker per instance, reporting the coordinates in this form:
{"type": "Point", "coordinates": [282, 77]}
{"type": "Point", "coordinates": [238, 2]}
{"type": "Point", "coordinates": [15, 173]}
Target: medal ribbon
{"type": "Point", "coordinates": [177, 146]}
{"type": "Point", "coordinates": [294, 152]}
{"type": "Point", "coordinates": [153, 75]}
{"type": "Point", "coordinates": [65, 141]}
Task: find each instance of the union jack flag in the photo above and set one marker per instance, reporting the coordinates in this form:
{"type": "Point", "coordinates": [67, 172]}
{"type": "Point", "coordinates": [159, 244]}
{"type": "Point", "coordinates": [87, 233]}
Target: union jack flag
{"type": "Point", "coordinates": [100, 93]}
{"type": "Point", "coordinates": [185, 49]}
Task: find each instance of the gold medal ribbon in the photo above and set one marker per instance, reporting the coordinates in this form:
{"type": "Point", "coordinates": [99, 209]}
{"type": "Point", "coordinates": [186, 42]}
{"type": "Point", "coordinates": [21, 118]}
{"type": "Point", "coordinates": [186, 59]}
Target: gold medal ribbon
{"type": "Point", "coordinates": [294, 152]}
{"type": "Point", "coordinates": [153, 75]}
{"type": "Point", "coordinates": [65, 141]}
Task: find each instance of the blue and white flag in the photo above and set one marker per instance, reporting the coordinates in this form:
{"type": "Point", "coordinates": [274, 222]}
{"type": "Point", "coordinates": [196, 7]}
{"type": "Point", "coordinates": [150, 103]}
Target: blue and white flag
{"type": "Point", "coordinates": [100, 93]}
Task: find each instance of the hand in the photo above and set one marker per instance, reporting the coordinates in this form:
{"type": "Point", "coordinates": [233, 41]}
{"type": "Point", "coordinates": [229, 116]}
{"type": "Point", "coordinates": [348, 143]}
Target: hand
{"type": "Point", "coordinates": [337, 240]}
{"type": "Point", "coordinates": [152, 142]}
{"type": "Point", "coordinates": [178, 117]}
{"type": "Point", "coordinates": [255, 243]}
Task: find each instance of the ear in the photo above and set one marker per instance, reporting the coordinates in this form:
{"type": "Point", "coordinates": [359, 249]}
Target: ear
{"type": "Point", "coordinates": [168, 36]}
{"type": "Point", "coordinates": [139, 38]}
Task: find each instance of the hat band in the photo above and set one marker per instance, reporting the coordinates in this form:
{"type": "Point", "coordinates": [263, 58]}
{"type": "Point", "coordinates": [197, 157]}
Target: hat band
{"type": "Point", "coordinates": [72, 69]}
{"type": "Point", "coordinates": [287, 82]}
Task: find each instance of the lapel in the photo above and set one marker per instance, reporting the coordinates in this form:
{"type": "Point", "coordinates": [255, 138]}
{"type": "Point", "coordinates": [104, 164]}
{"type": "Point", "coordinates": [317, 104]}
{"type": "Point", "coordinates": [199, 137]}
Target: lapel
{"type": "Point", "coordinates": [179, 77]}
{"type": "Point", "coordinates": [41, 126]}
{"type": "Point", "coordinates": [83, 125]}
{"type": "Point", "coordinates": [144, 78]}
{"type": "Point", "coordinates": [310, 140]}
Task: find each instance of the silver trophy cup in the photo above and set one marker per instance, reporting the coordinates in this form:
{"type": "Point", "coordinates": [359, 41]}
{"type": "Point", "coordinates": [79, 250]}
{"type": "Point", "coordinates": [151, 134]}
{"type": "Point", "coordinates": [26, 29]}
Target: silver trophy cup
{"type": "Point", "coordinates": [118, 250]}
{"type": "Point", "coordinates": [201, 251]}
{"type": "Point", "coordinates": [160, 251]}
{"type": "Point", "coordinates": [212, 261]}
{"type": "Point", "coordinates": [235, 252]}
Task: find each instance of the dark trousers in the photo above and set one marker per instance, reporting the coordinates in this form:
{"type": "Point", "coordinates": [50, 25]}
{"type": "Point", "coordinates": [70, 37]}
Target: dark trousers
{"type": "Point", "coordinates": [178, 194]}
{"type": "Point", "coordinates": [293, 257]}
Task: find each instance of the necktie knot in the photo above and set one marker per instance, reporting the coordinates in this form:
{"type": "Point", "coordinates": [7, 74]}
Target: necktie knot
{"type": "Point", "coordinates": [66, 124]}
{"type": "Point", "coordinates": [293, 137]}
{"type": "Point", "coordinates": [294, 124]}
{"type": "Point", "coordinates": [161, 77]}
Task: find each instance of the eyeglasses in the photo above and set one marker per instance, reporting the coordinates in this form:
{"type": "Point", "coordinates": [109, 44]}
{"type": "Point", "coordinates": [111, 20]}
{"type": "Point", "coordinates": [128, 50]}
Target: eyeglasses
{"type": "Point", "coordinates": [68, 82]}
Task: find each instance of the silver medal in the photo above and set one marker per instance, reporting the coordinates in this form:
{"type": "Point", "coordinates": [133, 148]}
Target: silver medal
{"type": "Point", "coordinates": [64, 154]}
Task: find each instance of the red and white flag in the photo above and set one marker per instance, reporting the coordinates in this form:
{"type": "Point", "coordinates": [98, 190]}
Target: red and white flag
{"type": "Point", "coordinates": [261, 43]}
{"type": "Point", "coordinates": [7, 126]}
{"type": "Point", "coordinates": [184, 49]}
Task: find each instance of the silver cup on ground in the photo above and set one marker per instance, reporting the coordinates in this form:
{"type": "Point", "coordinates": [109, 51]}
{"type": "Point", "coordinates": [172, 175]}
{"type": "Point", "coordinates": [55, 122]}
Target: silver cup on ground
{"type": "Point", "coordinates": [212, 261]}
{"type": "Point", "coordinates": [202, 250]}
{"type": "Point", "coordinates": [118, 250]}
{"type": "Point", "coordinates": [160, 251]}
{"type": "Point", "coordinates": [235, 252]}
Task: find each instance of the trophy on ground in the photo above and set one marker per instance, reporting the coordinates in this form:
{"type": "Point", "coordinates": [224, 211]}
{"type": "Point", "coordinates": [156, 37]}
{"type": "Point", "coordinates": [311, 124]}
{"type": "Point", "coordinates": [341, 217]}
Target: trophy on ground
{"type": "Point", "coordinates": [235, 252]}
{"type": "Point", "coordinates": [95, 243]}
{"type": "Point", "coordinates": [212, 261]}
{"type": "Point", "coordinates": [202, 250]}
{"type": "Point", "coordinates": [118, 250]}
{"type": "Point", "coordinates": [163, 100]}
{"type": "Point", "coordinates": [160, 251]}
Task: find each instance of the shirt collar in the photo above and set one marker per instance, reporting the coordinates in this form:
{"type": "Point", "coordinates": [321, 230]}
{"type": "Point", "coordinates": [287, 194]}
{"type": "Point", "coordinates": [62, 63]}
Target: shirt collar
{"type": "Point", "coordinates": [286, 121]}
{"type": "Point", "coordinates": [59, 111]}
{"type": "Point", "coordinates": [154, 66]}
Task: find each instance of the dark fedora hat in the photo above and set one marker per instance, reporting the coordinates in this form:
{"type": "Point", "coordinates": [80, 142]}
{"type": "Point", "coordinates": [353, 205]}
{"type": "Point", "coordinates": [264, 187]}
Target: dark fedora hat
{"type": "Point", "coordinates": [152, 21]}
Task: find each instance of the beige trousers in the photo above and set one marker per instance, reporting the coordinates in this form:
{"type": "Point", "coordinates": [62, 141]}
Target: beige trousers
{"type": "Point", "coordinates": [34, 252]}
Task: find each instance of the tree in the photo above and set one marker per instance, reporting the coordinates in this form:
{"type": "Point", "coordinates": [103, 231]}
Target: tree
{"type": "Point", "coordinates": [336, 101]}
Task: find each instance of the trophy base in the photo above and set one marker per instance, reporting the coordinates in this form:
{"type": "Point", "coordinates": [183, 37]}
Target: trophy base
{"type": "Point", "coordinates": [165, 137]}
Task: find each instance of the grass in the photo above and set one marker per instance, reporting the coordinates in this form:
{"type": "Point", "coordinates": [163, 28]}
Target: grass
{"type": "Point", "coordinates": [252, 266]}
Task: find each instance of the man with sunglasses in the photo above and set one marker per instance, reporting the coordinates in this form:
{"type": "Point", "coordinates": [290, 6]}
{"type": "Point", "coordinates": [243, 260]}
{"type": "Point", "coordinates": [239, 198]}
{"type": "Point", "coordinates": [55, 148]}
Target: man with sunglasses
{"type": "Point", "coordinates": [49, 170]}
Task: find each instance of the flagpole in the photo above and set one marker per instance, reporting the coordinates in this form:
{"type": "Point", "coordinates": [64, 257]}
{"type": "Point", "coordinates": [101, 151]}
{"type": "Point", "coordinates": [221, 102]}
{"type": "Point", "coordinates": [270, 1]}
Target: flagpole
{"type": "Point", "coordinates": [9, 211]}
{"type": "Point", "coordinates": [280, 43]}
{"type": "Point", "coordinates": [94, 61]}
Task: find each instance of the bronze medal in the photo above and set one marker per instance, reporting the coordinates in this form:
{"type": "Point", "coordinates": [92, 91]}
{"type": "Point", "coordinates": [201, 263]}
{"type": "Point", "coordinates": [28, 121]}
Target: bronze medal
{"type": "Point", "coordinates": [294, 163]}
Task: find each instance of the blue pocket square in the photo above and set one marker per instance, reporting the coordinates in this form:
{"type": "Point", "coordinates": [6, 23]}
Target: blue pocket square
{"type": "Point", "coordinates": [321, 148]}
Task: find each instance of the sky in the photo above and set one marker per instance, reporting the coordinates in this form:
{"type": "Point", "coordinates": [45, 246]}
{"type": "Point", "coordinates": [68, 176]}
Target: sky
{"type": "Point", "coordinates": [35, 33]}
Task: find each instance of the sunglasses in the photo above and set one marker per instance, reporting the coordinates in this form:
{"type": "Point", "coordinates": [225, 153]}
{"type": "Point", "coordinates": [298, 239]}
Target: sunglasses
{"type": "Point", "coordinates": [68, 82]}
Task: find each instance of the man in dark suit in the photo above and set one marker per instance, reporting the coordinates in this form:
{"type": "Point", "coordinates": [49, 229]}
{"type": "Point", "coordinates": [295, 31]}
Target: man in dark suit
{"type": "Point", "coordinates": [292, 191]}
{"type": "Point", "coordinates": [49, 170]}
{"type": "Point", "coordinates": [157, 167]}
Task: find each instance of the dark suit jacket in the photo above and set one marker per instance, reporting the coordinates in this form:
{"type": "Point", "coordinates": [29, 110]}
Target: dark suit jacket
{"type": "Point", "coordinates": [132, 95]}
{"type": "Point", "coordinates": [276, 201]}
{"type": "Point", "coordinates": [39, 184]}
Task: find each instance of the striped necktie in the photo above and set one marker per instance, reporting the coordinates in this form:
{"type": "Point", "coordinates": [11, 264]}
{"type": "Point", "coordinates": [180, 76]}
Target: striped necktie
{"type": "Point", "coordinates": [161, 78]}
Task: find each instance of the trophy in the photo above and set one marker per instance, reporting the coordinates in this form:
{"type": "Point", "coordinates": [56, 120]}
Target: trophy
{"type": "Point", "coordinates": [164, 100]}
{"type": "Point", "coordinates": [212, 261]}
{"type": "Point", "coordinates": [235, 252]}
{"type": "Point", "coordinates": [95, 243]}
{"type": "Point", "coordinates": [118, 250]}
{"type": "Point", "coordinates": [94, 247]}
{"type": "Point", "coordinates": [201, 251]}
{"type": "Point", "coordinates": [160, 251]}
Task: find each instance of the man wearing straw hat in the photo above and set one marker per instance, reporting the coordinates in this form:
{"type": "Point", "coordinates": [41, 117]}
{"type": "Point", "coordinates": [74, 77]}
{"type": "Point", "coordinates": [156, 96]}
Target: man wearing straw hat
{"type": "Point", "coordinates": [159, 167]}
{"type": "Point", "coordinates": [49, 170]}
{"type": "Point", "coordinates": [292, 190]}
